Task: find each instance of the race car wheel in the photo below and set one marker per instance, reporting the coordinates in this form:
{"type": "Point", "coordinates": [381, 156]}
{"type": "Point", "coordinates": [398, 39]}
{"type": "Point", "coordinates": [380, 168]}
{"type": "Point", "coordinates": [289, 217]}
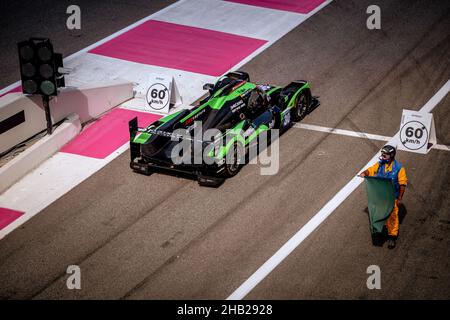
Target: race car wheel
{"type": "Point", "coordinates": [208, 181]}
{"type": "Point", "coordinates": [300, 110]}
{"type": "Point", "coordinates": [234, 160]}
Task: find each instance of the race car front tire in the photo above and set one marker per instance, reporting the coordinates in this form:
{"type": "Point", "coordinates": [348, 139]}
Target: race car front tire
{"type": "Point", "coordinates": [209, 181]}
{"type": "Point", "coordinates": [234, 160]}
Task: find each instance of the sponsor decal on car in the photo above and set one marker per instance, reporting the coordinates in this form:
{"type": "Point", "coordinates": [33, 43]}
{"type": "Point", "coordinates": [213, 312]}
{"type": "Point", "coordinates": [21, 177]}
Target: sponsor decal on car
{"type": "Point", "coordinates": [237, 106]}
{"type": "Point", "coordinates": [195, 117]}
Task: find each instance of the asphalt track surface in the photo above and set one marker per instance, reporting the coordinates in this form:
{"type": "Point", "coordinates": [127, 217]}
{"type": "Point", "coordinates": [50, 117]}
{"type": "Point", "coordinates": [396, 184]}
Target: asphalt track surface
{"type": "Point", "coordinates": [162, 237]}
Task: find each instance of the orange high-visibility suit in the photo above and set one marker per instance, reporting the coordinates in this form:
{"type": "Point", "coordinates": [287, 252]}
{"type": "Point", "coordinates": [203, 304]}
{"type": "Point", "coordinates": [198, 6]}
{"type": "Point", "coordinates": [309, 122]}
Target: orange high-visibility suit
{"type": "Point", "coordinates": [397, 173]}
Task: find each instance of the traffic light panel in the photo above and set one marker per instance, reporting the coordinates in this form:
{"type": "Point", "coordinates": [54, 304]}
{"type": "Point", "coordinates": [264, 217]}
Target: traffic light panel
{"type": "Point", "coordinates": [39, 67]}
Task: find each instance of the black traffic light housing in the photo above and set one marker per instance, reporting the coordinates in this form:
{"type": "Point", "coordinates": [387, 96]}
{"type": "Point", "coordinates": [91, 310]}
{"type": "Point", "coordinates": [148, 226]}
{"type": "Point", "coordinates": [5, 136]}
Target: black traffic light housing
{"type": "Point", "coordinates": [39, 67]}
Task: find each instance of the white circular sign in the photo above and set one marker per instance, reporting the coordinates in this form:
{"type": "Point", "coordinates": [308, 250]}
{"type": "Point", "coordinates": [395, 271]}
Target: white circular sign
{"type": "Point", "coordinates": [157, 96]}
{"type": "Point", "coordinates": [414, 135]}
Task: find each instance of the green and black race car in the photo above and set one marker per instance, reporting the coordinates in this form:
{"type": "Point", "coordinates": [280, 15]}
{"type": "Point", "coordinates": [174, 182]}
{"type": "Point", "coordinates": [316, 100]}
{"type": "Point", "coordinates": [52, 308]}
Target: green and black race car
{"type": "Point", "coordinates": [236, 111]}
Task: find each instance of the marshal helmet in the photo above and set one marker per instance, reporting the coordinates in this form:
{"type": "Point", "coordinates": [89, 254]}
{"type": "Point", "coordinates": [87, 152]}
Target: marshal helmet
{"type": "Point", "coordinates": [388, 150]}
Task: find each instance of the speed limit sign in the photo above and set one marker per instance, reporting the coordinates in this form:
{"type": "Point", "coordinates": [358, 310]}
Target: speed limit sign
{"type": "Point", "coordinates": [158, 96]}
{"type": "Point", "coordinates": [156, 93]}
{"type": "Point", "coordinates": [417, 132]}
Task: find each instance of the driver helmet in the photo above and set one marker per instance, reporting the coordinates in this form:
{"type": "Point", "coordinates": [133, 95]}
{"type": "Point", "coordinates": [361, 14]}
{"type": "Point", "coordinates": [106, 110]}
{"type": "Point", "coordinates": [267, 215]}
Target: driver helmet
{"type": "Point", "coordinates": [256, 100]}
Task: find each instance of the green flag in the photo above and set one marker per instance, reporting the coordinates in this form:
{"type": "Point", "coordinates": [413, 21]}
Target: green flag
{"type": "Point", "coordinates": [381, 196]}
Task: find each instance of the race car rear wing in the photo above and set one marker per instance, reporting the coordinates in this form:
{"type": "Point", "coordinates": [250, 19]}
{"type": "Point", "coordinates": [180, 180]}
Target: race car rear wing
{"type": "Point", "coordinates": [134, 129]}
{"type": "Point", "coordinates": [135, 148]}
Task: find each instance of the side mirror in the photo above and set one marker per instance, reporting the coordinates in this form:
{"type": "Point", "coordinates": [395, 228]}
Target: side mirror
{"type": "Point", "coordinates": [208, 86]}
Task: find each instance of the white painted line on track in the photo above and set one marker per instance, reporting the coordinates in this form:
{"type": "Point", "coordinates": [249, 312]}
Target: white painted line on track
{"type": "Point", "coordinates": [433, 102]}
{"type": "Point", "coordinates": [320, 216]}
{"type": "Point", "coordinates": [442, 147]}
{"type": "Point", "coordinates": [342, 132]}
{"type": "Point", "coordinates": [355, 134]}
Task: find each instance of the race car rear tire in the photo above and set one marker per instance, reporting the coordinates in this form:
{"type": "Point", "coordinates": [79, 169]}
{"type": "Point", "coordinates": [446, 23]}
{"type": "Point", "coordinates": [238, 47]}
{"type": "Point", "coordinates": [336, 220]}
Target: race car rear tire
{"type": "Point", "coordinates": [209, 181]}
{"type": "Point", "coordinates": [140, 167]}
{"type": "Point", "coordinates": [302, 102]}
{"type": "Point", "coordinates": [236, 157]}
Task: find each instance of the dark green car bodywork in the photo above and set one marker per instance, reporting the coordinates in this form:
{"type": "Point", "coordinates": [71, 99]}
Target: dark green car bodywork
{"type": "Point", "coordinates": [236, 108]}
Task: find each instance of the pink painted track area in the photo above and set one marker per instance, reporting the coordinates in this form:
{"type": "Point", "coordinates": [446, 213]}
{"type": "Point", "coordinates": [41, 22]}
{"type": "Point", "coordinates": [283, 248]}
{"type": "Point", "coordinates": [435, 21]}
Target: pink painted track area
{"type": "Point", "coordinates": [7, 216]}
{"type": "Point", "coordinates": [298, 6]}
{"type": "Point", "coordinates": [16, 89]}
{"type": "Point", "coordinates": [108, 134]}
{"type": "Point", "coordinates": [180, 47]}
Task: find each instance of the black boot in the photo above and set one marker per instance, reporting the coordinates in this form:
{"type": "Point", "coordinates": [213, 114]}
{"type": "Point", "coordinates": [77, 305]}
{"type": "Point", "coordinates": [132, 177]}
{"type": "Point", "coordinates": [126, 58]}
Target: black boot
{"type": "Point", "coordinates": [391, 243]}
{"type": "Point", "coordinates": [377, 239]}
